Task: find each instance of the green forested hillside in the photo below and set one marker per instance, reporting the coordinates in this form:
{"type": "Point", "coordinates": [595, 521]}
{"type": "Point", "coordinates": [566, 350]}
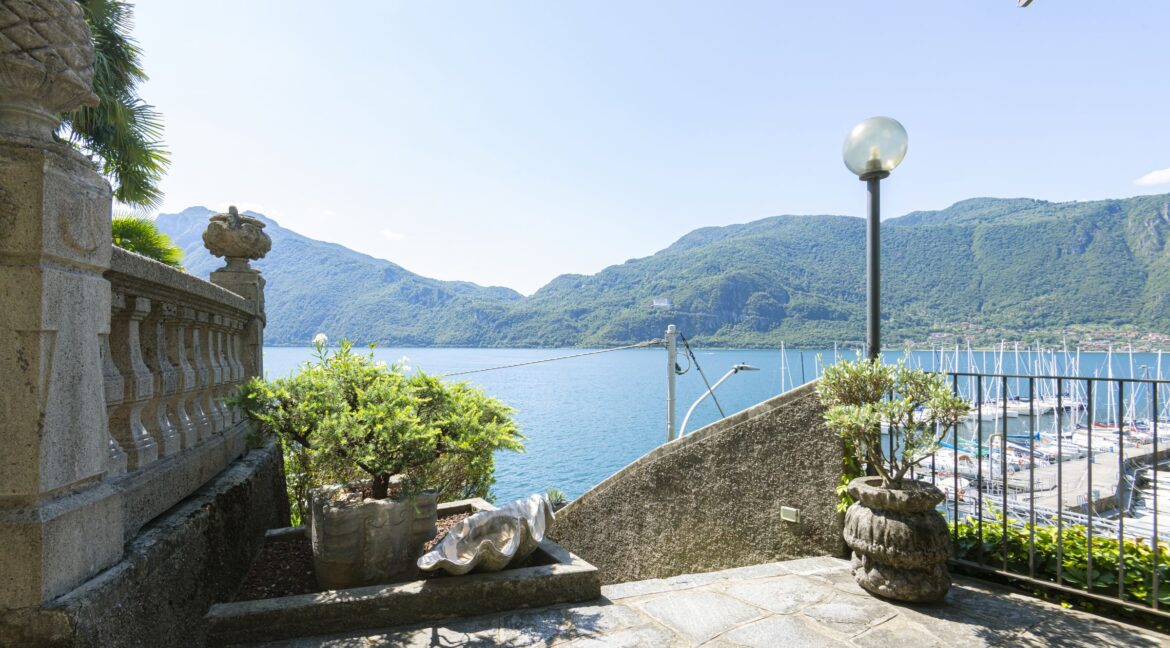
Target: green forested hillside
{"type": "Point", "coordinates": [1006, 267]}
{"type": "Point", "coordinates": [323, 287]}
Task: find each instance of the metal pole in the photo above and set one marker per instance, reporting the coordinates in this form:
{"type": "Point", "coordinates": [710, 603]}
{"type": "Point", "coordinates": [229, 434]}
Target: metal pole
{"type": "Point", "coordinates": [873, 340]}
{"type": "Point", "coordinates": [671, 363]}
{"type": "Point", "coordinates": [873, 304]}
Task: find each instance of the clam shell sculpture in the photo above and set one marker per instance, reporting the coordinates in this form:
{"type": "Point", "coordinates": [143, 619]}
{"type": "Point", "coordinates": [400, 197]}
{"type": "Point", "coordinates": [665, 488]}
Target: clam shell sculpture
{"type": "Point", "coordinates": [489, 540]}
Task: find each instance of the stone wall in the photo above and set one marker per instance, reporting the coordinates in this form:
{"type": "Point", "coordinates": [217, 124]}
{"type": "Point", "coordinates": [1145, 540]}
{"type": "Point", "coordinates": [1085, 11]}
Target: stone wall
{"type": "Point", "coordinates": [712, 499]}
{"type": "Point", "coordinates": [186, 560]}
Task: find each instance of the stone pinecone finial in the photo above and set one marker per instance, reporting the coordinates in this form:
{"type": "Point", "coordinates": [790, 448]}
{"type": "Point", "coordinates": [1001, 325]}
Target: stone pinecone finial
{"type": "Point", "coordinates": [46, 64]}
{"type": "Point", "coordinates": [236, 238]}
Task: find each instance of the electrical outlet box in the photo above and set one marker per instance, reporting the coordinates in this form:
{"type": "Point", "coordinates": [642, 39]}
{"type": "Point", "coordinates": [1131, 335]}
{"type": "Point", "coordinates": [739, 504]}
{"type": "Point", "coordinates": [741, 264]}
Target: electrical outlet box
{"type": "Point", "coordinates": [789, 514]}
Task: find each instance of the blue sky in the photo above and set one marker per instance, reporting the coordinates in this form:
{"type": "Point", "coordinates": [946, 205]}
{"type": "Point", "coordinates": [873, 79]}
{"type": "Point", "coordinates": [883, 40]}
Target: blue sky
{"type": "Point", "coordinates": [509, 142]}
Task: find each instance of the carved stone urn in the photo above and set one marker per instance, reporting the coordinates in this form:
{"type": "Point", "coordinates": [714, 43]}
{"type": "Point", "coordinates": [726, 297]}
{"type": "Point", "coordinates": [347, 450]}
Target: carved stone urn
{"type": "Point", "coordinates": [236, 238]}
{"type": "Point", "coordinates": [46, 66]}
{"type": "Point", "coordinates": [900, 542]}
{"type": "Point", "coordinates": [358, 542]}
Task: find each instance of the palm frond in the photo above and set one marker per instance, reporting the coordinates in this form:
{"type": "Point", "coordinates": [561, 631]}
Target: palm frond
{"type": "Point", "coordinates": [142, 236]}
{"type": "Point", "coordinates": [123, 131]}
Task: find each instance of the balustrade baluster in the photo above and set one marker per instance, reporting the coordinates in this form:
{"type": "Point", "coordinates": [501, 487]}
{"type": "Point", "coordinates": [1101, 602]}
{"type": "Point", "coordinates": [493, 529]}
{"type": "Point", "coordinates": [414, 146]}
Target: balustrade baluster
{"type": "Point", "coordinates": [229, 372]}
{"type": "Point", "coordinates": [154, 353]}
{"type": "Point", "coordinates": [210, 397]}
{"type": "Point", "coordinates": [232, 341]}
{"type": "Point", "coordinates": [115, 388]}
{"type": "Point", "coordinates": [215, 361]}
{"type": "Point", "coordinates": [126, 424]}
{"type": "Point", "coordinates": [207, 417]}
{"type": "Point", "coordinates": [240, 349]}
{"type": "Point", "coordinates": [179, 404]}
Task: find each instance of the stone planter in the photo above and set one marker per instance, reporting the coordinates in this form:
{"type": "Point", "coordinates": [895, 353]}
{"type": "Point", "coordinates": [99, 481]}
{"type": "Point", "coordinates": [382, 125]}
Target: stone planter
{"type": "Point", "coordinates": [368, 542]}
{"type": "Point", "coordinates": [900, 543]}
{"type": "Point", "coordinates": [551, 576]}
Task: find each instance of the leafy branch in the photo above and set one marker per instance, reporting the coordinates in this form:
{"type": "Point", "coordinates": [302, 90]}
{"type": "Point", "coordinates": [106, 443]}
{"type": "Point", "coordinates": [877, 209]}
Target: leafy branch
{"type": "Point", "coordinates": [916, 409]}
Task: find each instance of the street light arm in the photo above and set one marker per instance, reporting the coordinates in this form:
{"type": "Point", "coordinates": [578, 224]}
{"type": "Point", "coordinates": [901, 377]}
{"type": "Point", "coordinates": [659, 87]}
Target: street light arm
{"type": "Point", "coordinates": [731, 372]}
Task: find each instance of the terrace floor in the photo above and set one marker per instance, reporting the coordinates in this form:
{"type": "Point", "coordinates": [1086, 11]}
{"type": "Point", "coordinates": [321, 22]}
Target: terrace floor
{"type": "Point", "coordinates": [808, 602]}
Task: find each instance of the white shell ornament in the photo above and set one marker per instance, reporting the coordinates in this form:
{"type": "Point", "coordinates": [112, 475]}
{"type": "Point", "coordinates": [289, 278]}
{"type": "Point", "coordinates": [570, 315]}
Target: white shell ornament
{"type": "Point", "coordinates": [489, 540]}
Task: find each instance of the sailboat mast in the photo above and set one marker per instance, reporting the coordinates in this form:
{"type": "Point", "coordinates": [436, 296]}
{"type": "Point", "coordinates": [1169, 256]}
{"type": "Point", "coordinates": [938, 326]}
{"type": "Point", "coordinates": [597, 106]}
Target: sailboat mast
{"type": "Point", "coordinates": [783, 361]}
{"type": "Point", "coordinates": [1109, 393]}
{"type": "Point", "coordinates": [1134, 390]}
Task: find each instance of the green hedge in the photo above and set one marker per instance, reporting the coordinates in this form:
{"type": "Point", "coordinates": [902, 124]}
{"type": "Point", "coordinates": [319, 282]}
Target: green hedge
{"type": "Point", "coordinates": [1073, 545]}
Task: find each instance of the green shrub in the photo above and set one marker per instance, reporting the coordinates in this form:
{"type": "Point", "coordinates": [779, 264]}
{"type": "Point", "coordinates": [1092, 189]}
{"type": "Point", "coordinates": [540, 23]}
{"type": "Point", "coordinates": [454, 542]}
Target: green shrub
{"type": "Point", "coordinates": [1073, 549]}
{"type": "Point", "coordinates": [345, 416]}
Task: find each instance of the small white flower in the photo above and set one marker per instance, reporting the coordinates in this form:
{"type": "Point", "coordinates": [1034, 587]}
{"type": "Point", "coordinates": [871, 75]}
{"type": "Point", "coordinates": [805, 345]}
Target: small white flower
{"type": "Point", "coordinates": [381, 364]}
{"type": "Point", "coordinates": [404, 362]}
{"type": "Point", "coordinates": [321, 338]}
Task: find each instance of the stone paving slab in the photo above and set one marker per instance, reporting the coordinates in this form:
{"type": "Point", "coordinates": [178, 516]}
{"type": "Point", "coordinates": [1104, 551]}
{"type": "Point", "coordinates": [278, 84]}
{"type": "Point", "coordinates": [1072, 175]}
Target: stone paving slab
{"type": "Point", "coordinates": [810, 602]}
{"type": "Point", "coordinates": [699, 615]}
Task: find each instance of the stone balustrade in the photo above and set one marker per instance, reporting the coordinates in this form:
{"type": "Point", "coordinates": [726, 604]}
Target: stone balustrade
{"type": "Point", "coordinates": [170, 359]}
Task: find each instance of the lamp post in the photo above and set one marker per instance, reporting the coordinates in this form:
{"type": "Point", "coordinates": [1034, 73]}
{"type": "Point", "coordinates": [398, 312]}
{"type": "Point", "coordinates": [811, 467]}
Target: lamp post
{"type": "Point", "coordinates": [872, 150]}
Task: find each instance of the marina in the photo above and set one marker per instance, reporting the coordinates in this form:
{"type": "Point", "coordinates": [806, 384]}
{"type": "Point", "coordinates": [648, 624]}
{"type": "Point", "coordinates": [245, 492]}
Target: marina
{"type": "Point", "coordinates": [1056, 467]}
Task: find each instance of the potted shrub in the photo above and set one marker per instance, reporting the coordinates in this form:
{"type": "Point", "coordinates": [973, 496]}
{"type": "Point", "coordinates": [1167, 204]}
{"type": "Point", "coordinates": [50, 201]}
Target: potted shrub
{"type": "Point", "coordinates": [557, 498]}
{"type": "Point", "coordinates": [900, 542]}
{"type": "Point", "coordinates": [369, 452]}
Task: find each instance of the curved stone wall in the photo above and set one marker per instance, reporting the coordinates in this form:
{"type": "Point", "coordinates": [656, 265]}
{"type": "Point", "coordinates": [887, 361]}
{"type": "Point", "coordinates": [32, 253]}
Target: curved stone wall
{"type": "Point", "coordinates": [712, 499]}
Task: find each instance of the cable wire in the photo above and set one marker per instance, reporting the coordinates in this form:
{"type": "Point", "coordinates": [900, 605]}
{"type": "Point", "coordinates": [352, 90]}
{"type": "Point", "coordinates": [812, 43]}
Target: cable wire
{"type": "Point", "coordinates": [679, 371]}
{"type": "Point", "coordinates": [640, 345]}
{"type": "Point", "coordinates": [700, 368]}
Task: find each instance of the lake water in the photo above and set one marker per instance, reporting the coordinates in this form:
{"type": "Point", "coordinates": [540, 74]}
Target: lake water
{"type": "Point", "coordinates": [587, 417]}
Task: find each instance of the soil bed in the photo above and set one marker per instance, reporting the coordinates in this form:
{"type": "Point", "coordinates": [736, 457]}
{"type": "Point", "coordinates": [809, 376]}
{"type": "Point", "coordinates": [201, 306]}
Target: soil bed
{"type": "Point", "coordinates": [283, 568]}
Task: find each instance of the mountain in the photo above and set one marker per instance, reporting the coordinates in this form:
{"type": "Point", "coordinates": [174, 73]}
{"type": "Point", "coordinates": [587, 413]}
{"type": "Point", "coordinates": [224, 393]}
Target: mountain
{"type": "Point", "coordinates": [983, 267]}
{"type": "Point", "coordinates": [313, 286]}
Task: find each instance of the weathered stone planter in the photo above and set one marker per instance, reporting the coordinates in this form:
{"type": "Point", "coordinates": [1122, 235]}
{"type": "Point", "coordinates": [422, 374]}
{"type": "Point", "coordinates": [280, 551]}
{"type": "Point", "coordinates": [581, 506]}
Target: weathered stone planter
{"type": "Point", "coordinates": [554, 576]}
{"type": "Point", "coordinates": [900, 543]}
{"type": "Point", "coordinates": [368, 542]}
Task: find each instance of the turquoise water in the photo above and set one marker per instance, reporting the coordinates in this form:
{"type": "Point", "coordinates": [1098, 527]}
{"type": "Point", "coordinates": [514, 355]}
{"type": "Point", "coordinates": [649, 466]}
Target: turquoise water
{"type": "Point", "coordinates": [585, 418]}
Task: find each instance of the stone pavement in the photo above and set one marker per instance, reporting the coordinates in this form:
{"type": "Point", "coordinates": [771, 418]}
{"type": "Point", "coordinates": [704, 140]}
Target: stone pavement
{"type": "Point", "coordinates": [808, 602]}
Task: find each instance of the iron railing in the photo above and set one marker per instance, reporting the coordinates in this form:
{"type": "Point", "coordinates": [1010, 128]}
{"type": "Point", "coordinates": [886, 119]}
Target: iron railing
{"type": "Point", "coordinates": [1054, 481]}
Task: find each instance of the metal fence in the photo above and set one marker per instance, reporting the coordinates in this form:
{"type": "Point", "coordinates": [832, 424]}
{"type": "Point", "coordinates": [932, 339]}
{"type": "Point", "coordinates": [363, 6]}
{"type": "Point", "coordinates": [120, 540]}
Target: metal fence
{"type": "Point", "coordinates": [1054, 481]}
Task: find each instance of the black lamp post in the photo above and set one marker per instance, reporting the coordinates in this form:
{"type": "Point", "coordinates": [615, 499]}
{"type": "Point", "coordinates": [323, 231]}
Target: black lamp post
{"type": "Point", "coordinates": [872, 150]}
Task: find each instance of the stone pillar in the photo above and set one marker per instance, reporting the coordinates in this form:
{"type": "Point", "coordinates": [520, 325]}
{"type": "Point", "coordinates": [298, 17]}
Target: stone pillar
{"type": "Point", "coordinates": [237, 239]}
{"type": "Point", "coordinates": [59, 524]}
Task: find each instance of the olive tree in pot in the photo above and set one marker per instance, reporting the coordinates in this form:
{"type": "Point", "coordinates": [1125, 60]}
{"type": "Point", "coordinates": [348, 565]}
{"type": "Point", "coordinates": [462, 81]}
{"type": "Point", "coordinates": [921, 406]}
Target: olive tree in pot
{"type": "Point", "coordinates": [369, 452]}
{"type": "Point", "coordinates": [900, 542]}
